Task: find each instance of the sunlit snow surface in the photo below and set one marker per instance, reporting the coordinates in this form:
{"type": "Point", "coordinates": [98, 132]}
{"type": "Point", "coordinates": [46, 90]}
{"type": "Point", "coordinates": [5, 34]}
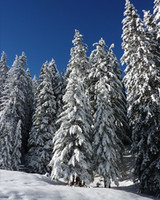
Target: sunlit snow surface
{"type": "Point", "coordinates": [19, 185]}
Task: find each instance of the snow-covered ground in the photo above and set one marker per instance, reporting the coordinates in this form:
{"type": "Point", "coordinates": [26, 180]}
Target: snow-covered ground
{"type": "Point", "coordinates": [24, 186]}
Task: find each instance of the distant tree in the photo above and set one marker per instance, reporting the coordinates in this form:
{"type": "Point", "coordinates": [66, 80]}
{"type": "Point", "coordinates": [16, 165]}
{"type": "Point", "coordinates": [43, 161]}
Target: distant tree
{"type": "Point", "coordinates": [106, 89]}
{"type": "Point", "coordinates": [43, 128]}
{"type": "Point", "coordinates": [142, 82]}
{"type": "Point", "coordinates": [72, 149]}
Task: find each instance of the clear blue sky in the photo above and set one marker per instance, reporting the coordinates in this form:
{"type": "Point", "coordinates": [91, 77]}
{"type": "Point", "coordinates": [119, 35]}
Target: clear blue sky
{"type": "Point", "coordinates": [44, 29]}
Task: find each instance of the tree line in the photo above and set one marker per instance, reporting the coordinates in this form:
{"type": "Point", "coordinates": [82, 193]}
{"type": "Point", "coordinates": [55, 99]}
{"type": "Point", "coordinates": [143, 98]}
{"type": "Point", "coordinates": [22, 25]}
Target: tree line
{"type": "Point", "coordinates": [77, 124]}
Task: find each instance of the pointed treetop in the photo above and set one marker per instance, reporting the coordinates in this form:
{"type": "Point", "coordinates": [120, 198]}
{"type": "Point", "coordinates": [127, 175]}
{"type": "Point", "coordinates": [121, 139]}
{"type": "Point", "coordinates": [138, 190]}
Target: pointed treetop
{"type": "Point", "coordinates": [46, 63]}
{"type": "Point", "coordinates": [101, 43]}
{"type": "Point", "coordinates": [16, 62]}
{"type": "Point", "coordinates": [100, 50]}
{"type": "Point", "coordinates": [53, 68]}
{"type": "Point", "coordinates": [22, 60]}
{"type": "Point", "coordinates": [112, 46]}
{"type": "Point", "coordinates": [77, 38]}
{"type": "Point", "coordinates": [129, 8]}
{"type": "Point", "coordinates": [80, 48]}
{"type": "Point", "coordinates": [28, 73]}
{"type": "Point", "coordinates": [147, 17]}
{"type": "Point", "coordinates": [146, 13]}
{"type": "Point", "coordinates": [34, 78]}
{"type": "Point", "coordinates": [111, 49]}
{"type": "Point", "coordinates": [127, 4]}
{"type": "Point", "coordinates": [52, 62]}
{"type": "Point", "coordinates": [43, 68]}
{"type": "Point", "coordinates": [28, 70]}
{"type": "Point", "coordinates": [3, 57]}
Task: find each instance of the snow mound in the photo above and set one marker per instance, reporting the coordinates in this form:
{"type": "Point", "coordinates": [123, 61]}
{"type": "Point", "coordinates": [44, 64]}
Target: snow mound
{"type": "Point", "coordinates": [24, 186]}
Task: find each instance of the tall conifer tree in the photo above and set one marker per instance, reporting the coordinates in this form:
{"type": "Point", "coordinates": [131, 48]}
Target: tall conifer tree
{"type": "Point", "coordinates": [72, 151]}
{"type": "Point", "coordinates": [107, 92]}
{"type": "Point", "coordinates": [11, 109]}
{"type": "Point", "coordinates": [43, 128]}
{"type": "Point", "coordinates": [142, 82]}
{"type": "Point", "coordinates": [3, 71]}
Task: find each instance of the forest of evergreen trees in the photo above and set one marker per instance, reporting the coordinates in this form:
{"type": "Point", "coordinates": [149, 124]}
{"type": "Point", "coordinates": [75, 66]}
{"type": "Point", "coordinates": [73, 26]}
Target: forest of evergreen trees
{"type": "Point", "coordinates": [77, 125]}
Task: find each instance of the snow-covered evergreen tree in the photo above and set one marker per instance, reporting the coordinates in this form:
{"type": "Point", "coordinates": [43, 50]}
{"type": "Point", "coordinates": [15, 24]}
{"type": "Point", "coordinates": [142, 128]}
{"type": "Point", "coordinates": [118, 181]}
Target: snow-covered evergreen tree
{"type": "Point", "coordinates": [132, 29]}
{"type": "Point", "coordinates": [10, 115]}
{"type": "Point", "coordinates": [106, 89]}
{"type": "Point", "coordinates": [58, 89]}
{"type": "Point", "coordinates": [118, 98]}
{"type": "Point", "coordinates": [99, 57]}
{"type": "Point", "coordinates": [72, 149]}
{"type": "Point", "coordinates": [25, 100]}
{"type": "Point", "coordinates": [43, 128]}
{"type": "Point", "coordinates": [7, 129]}
{"type": "Point", "coordinates": [119, 101]}
{"type": "Point", "coordinates": [142, 81]}
{"type": "Point", "coordinates": [3, 68]}
{"type": "Point", "coordinates": [28, 113]}
{"type": "Point", "coordinates": [3, 71]}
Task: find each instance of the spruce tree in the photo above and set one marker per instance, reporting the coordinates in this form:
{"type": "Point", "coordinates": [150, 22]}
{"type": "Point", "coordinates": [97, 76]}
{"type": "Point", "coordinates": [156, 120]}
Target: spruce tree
{"type": "Point", "coordinates": [25, 101]}
{"type": "Point", "coordinates": [107, 91]}
{"type": "Point", "coordinates": [9, 117]}
{"type": "Point", "coordinates": [3, 68]}
{"type": "Point", "coordinates": [28, 114]}
{"type": "Point", "coordinates": [3, 71]}
{"type": "Point", "coordinates": [43, 128]}
{"type": "Point", "coordinates": [72, 149]}
{"type": "Point", "coordinates": [118, 99]}
{"type": "Point", "coordinates": [58, 90]}
{"type": "Point", "coordinates": [132, 29]}
{"type": "Point", "coordinates": [142, 82]}
{"type": "Point", "coordinates": [8, 158]}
